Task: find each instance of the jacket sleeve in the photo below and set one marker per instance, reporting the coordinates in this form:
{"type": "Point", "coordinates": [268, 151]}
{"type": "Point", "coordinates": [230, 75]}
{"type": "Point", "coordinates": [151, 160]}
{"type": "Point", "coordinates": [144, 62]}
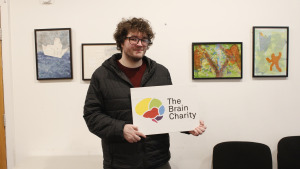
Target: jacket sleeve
{"type": "Point", "coordinates": [97, 121]}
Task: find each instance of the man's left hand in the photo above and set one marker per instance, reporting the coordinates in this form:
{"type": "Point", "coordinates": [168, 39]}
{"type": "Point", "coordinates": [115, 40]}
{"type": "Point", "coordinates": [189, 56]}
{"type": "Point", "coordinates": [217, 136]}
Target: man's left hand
{"type": "Point", "coordinates": [199, 129]}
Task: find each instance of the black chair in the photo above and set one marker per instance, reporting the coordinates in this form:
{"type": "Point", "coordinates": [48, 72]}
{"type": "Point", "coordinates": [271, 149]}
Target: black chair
{"type": "Point", "coordinates": [241, 155]}
{"type": "Point", "coordinates": [288, 155]}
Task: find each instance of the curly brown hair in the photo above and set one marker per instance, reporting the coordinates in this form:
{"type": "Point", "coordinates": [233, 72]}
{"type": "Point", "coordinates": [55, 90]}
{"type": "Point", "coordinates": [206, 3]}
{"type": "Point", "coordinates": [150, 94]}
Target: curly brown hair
{"type": "Point", "coordinates": [132, 24]}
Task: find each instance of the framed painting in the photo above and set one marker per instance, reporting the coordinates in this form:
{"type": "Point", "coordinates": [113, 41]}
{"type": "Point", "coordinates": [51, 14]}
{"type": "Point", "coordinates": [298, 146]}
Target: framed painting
{"type": "Point", "coordinates": [217, 60]}
{"type": "Point", "coordinates": [93, 55]}
{"type": "Point", "coordinates": [270, 51]}
{"type": "Point", "coordinates": [53, 53]}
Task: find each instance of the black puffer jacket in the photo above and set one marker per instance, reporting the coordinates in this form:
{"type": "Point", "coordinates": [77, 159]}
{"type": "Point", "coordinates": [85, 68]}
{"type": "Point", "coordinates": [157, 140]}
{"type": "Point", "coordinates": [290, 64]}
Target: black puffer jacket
{"type": "Point", "coordinates": [108, 108]}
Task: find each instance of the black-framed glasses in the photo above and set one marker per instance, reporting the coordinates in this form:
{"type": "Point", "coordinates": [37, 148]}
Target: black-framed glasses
{"type": "Point", "coordinates": [135, 41]}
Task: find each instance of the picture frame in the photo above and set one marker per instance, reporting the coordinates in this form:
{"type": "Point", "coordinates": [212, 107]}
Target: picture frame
{"type": "Point", "coordinates": [53, 50]}
{"type": "Point", "coordinates": [93, 55]}
{"type": "Point", "coordinates": [270, 51]}
{"type": "Point", "coordinates": [217, 60]}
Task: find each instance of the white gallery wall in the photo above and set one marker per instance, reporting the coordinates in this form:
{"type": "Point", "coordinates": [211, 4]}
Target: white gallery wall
{"type": "Point", "coordinates": [44, 118]}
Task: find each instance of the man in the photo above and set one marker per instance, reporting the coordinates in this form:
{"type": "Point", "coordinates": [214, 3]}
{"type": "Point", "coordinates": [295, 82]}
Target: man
{"type": "Point", "coordinates": [107, 109]}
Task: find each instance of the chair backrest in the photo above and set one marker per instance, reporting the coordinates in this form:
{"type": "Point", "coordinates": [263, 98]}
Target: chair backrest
{"type": "Point", "coordinates": [241, 155]}
{"type": "Point", "coordinates": [288, 155]}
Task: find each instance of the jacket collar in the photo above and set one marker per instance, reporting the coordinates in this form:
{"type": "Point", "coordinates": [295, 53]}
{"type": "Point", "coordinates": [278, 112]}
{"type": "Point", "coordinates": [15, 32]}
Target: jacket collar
{"type": "Point", "coordinates": [111, 64]}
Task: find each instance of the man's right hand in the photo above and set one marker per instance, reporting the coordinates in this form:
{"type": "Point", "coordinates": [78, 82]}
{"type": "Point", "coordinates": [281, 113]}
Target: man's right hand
{"type": "Point", "coordinates": [131, 133]}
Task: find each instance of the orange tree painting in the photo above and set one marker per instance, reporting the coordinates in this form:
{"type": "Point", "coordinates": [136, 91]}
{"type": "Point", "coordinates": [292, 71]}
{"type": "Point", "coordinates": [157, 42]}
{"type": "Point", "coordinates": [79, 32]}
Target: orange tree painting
{"type": "Point", "coordinates": [217, 60]}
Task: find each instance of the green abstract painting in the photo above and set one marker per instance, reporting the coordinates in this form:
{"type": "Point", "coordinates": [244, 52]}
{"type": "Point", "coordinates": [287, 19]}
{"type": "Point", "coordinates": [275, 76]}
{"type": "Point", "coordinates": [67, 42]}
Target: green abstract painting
{"type": "Point", "coordinates": [270, 51]}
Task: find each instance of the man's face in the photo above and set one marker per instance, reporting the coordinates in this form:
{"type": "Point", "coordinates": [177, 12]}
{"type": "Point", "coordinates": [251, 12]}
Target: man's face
{"type": "Point", "coordinates": [134, 52]}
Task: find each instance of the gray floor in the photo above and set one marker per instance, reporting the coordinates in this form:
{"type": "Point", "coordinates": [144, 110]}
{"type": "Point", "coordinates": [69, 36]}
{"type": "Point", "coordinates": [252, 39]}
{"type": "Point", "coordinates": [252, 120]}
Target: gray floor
{"type": "Point", "coordinates": [62, 162]}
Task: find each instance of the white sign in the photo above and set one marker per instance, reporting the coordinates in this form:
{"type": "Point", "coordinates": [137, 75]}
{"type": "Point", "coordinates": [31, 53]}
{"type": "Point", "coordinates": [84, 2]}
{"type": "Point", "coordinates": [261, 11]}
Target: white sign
{"type": "Point", "coordinates": [164, 109]}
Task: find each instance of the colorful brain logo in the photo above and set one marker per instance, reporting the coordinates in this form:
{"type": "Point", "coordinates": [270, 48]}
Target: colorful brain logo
{"type": "Point", "coordinates": [150, 108]}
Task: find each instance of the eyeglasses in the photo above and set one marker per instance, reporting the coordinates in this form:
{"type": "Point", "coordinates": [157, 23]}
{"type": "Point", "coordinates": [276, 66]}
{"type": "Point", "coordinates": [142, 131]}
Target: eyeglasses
{"type": "Point", "coordinates": [135, 41]}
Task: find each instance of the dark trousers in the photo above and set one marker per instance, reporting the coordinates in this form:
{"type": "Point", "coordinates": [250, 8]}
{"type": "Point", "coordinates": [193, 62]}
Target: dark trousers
{"type": "Point", "coordinates": [165, 166]}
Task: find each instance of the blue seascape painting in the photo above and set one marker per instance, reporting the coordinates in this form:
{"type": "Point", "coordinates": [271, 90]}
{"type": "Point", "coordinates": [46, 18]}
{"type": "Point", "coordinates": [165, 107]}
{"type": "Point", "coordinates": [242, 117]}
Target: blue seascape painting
{"type": "Point", "coordinates": [53, 53]}
{"type": "Point", "coordinates": [54, 68]}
